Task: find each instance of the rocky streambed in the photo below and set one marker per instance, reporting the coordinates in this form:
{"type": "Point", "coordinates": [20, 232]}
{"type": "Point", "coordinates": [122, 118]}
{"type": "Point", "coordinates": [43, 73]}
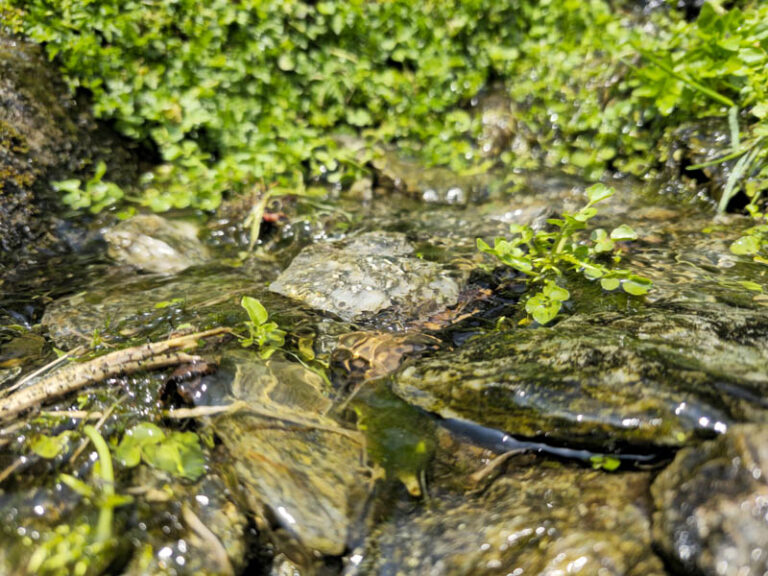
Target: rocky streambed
{"type": "Point", "coordinates": [412, 422]}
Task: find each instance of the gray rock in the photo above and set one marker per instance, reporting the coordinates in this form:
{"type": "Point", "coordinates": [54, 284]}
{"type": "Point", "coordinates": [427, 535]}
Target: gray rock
{"type": "Point", "coordinates": [369, 273]}
{"type": "Point", "coordinates": [155, 244]}
{"type": "Point", "coordinates": [656, 378]}
{"type": "Point", "coordinates": [712, 505]}
{"type": "Point", "coordinates": [44, 134]}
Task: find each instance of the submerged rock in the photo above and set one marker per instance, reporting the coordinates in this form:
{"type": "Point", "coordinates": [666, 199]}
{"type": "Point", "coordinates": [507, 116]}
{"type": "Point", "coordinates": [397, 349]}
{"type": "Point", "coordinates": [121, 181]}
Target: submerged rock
{"type": "Point", "coordinates": [436, 185]}
{"type": "Point", "coordinates": [712, 505]}
{"type": "Point", "coordinates": [148, 306]}
{"type": "Point", "coordinates": [655, 378]}
{"type": "Point", "coordinates": [302, 474]}
{"type": "Point", "coordinates": [184, 529]}
{"type": "Point", "coordinates": [368, 274]}
{"type": "Point", "coordinates": [155, 244]}
{"type": "Point", "coordinates": [532, 520]}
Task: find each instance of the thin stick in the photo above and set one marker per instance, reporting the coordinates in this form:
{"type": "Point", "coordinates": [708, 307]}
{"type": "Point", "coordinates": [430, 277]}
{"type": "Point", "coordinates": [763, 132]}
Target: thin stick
{"type": "Point", "coordinates": [214, 545]}
{"type": "Point", "coordinates": [36, 373]}
{"type": "Point", "coordinates": [297, 422]}
{"type": "Point", "coordinates": [11, 469]}
{"type": "Point", "coordinates": [73, 377]}
{"type": "Point", "coordinates": [73, 414]}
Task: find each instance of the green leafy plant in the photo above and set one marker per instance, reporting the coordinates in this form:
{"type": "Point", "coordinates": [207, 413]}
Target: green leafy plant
{"type": "Point", "coordinates": [545, 255]}
{"type": "Point", "coordinates": [266, 335]}
{"type": "Point", "coordinates": [96, 195]}
{"type": "Point", "coordinates": [82, 549]}
{"type": "Point", "coordinates": [178, 453]}
{"type": "Point", "coordinates": [754, 242]}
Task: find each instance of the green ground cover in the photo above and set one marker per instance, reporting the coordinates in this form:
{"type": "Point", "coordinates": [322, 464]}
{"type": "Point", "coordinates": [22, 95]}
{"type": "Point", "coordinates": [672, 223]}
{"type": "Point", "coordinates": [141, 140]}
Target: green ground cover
{"type": "Point", "coordinates": [240, 94]}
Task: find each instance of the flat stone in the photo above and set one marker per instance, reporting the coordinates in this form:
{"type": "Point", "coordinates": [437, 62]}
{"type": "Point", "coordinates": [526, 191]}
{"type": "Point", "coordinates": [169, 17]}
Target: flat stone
{"type": "Point", "coordinates": [661, 377]}
{"type": "Point", "coordinates": [367, 274]}
{"type": "Point", "coordinates": [300, 470]}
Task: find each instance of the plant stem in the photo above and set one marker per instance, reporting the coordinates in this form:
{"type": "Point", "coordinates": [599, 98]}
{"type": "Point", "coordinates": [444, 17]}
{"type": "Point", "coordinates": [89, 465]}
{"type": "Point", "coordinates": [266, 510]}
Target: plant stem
{"type": "Point", "coordinates": [107, 475]}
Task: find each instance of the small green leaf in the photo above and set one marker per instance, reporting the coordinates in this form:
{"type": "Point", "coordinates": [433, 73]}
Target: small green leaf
{"type": "Point", "coordinates": [130, 449]}
{"type": "Point", "coordinates": [285, 62]}
{"type": "Point", "coordinates": [77, 485]}
{"type": "Point", "coordinates": [555, 292]}
{"type": "Point", "coordinates": [585, 214]}
{"type": "Point", "coordinates": [602, 242]}
{"type": "Point", "coordinates": [180, 455]}
{"type": "Point", "coordinates": [608, 463]}
{"type": "Point", "coordinates": [599, 192]}
{"type": "Point", "coordinates": [610, 283]}
{"type": "Point", "coordinates": [49, 447]}
{"type": "Point", "coordinates": [623, 232]}
{"type": "Point", "coordinates": [542, 308]}
{"type": "Point", "coordinates": [256, 311]}
{"type": "Point", "coordinates": [66, 186]}
{"type": "Point", "coordinates": [746, 246]}
{"type": "Point", "coordinates": [636, 285]}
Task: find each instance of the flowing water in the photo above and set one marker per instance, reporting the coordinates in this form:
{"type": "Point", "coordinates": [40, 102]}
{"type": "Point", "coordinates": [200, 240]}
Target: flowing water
{"type": "Point", "coordinates": [411, 424]}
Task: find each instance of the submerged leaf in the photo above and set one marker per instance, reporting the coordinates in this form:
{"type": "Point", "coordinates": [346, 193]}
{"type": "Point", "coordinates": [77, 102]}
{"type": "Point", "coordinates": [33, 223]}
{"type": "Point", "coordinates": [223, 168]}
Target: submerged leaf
{"type": "Point", "coordinates": [49, 447]}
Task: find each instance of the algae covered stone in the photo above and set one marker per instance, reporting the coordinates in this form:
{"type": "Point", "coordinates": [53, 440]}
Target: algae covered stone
{"type": "Point", "coordinates": [532, 520]}
{"type": "Point", "coordinates": [655, 378]}
{"type": "Point", "coordinates": [300, 470]}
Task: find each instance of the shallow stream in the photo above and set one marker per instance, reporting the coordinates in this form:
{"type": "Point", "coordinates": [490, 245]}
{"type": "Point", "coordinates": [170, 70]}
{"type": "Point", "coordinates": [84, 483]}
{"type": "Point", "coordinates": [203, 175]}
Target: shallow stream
{"type": "Point", "coordinates": [413, 422]}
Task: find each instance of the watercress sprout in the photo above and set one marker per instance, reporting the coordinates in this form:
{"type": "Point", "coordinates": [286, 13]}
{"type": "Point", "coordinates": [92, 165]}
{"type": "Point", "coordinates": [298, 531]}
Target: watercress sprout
{"type": "Point", "coordinates": [266, 335]}
{"type": "Point", "coordinates": [543, 256]}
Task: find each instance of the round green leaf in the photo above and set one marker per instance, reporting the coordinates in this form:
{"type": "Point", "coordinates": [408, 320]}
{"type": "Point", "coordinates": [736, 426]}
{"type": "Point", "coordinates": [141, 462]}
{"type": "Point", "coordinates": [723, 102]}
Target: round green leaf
{"type": "Point", "coordinates": [555, 292]}
{"type": "Point", "coordinates": [746, 246]}
{"type": "Point", "coordinates": [542, 308]}
{"type": "Point", "coordinates": [610, 283]}
{"type": "Point", "coordinates": [636, 286]}
{"type": "Point", "coordinates": [49, 446]}
{"type": "Point", "coordinates": [623, 232]}
{"type": "Point", "coordinates": [599, 192]}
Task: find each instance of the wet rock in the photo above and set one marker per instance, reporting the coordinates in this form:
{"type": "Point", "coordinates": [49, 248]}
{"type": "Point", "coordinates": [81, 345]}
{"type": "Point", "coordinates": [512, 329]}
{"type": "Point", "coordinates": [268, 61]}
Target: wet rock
{"type": "Point", "coordinates": [712, 505]}
{"type": "Point", "coordinates": [532, 520]}
{"type": "Point", "coordinates": [498, 124]}
{"type": "Point", "coordinates": [655, 378]}
{"type": "Point", "coordinates": [35, 134]}
{"type": "Point", "coordinates": [183, 529]}
{"type": "Point", "coordinates": [303, 475]}
{"type": "Point", "coordinates": [437, 185]}
{"type": "Point", "coordinates": [121, 307]}
{"type": "Point", "coordinates": [44, 134]}
{"type": "Point", "coordinates": [155, 244]}
{"type": "Point", "coordinates": [368, 274]}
